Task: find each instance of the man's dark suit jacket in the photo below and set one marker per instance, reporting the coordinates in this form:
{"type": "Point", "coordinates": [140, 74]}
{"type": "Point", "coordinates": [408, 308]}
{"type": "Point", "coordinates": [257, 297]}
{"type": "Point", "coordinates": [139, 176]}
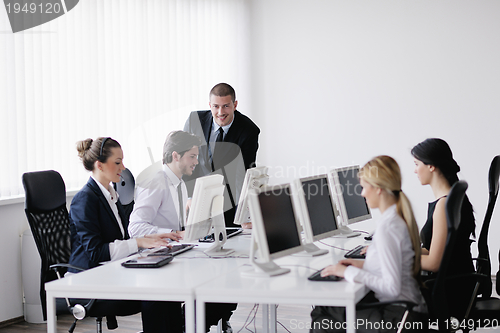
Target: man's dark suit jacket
{"type": "Point", "coordinates": [93, 226]}
{"type": "Point", "coordinates": [241, 141]}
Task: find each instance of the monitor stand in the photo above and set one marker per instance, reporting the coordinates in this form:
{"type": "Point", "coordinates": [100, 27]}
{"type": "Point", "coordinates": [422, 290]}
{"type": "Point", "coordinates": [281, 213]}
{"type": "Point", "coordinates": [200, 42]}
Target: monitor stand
{"type": "Point", "coordinates": [313, 250]}
{"type": "Point", "coordinates": [346, 232]}
{"type": "Point", "coordinates": [219, 229]}
{"type": "Point", "coordinates": [262, 268]}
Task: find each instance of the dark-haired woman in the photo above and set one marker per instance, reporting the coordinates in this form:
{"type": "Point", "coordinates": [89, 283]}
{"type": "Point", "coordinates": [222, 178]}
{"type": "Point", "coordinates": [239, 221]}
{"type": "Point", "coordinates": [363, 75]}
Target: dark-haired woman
{"type": "Point", "coordinates": [99, 231]}
{"type": "Point", "coordinates": [435, 166]}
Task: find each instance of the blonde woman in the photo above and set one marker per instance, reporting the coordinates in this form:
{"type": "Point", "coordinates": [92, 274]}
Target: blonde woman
{"type": "Point", "coordinates": [392, 265]}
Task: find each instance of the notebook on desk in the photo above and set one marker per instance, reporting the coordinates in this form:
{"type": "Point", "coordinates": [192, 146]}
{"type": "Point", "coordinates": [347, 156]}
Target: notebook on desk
{"type": "Point", "coordinates": [148, 262]}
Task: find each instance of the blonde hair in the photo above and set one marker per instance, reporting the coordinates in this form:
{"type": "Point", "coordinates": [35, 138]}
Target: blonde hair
{"type": "Point", "coordinates": [383, 172]}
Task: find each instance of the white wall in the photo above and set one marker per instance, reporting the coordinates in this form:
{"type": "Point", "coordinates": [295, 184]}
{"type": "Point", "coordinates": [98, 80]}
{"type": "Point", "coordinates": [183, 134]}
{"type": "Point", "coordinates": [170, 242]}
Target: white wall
{"type": "Point", "coordinates": [12, 223]}
{"type": "Point", "coordinates": [338, 82]}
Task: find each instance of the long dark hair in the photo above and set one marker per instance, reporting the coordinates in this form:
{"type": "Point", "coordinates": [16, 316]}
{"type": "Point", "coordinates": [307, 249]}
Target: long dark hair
{"type": "Point", "coordinates": [436, 152]}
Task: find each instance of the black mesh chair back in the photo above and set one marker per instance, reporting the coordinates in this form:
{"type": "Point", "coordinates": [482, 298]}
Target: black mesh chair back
{"type": "Point", "coordinates": [45, 208]}
{"type": "Point", "coordinates": [437, 299]}
{"type": "Point", "coordinates": [484, 263]}
{"type": "Point", "coordinates": [486, 309]}
{"type": "Point", "coordinates": [49, 222]}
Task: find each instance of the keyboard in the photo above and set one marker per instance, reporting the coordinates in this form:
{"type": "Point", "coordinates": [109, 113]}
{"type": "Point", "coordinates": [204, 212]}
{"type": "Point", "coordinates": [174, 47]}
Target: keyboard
{"type": "Point", "coordinates": [355, 253]}
{"type": "Point", "coordinates": [175, 250]}
{"type": "Point", "coordinates": [317, 277]}
{"type": "Point", "coordinates": [229, 233]}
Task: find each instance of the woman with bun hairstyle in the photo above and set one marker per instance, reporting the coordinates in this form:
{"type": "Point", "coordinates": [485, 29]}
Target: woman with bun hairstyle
{"type": "Point", "coordinates": [392, 265]}
{"type": "Point", "coordinates": [99, 231]}
{"type": "Point", "coordinates": [435, 166]}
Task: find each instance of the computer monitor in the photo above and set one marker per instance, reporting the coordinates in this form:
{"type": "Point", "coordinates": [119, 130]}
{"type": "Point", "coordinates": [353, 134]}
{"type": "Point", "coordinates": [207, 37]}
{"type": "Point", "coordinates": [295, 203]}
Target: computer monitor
{"type": "Point", "coordinates": [352, 206]}
{"type": "Point", "coordinates": [275, 229]}
{"type": "Point", "coordinates": [207, 212]}
{"type": "Point", "coordinates": [317, 211]}
{"type": "Point", "coordinates": [255, 178]}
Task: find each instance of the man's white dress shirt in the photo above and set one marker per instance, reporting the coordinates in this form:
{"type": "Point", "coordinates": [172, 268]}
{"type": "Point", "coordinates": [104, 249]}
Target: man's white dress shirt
{"type": "Point", "coordinates": [156, 208]}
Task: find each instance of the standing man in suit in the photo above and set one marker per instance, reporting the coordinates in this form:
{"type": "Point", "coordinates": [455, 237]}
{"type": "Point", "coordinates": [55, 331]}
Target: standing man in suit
{"type": "Point", "coordinates": [231, 140]}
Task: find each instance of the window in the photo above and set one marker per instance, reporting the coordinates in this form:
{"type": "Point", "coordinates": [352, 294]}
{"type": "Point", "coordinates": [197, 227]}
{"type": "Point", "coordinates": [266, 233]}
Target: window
{"type": "Point", "coordinates": [129, 69]}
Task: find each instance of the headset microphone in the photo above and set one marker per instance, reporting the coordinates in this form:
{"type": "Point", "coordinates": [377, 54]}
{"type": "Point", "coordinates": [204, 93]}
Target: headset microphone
{"type": "Point", "coordinates": [123, 180]}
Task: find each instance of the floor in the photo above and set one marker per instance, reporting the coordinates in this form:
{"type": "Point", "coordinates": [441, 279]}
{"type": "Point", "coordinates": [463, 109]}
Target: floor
{"type": "Point", "coordinates": [245, 319]}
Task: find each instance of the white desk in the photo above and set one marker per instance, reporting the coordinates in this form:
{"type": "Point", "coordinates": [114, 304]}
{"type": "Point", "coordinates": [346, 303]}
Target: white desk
{"type": "Point", "coordinates": [290, 288]}
{"type": "Point", "coordinates": [173, 282]}
{"type": "Point", "coordinates": [211, 280]}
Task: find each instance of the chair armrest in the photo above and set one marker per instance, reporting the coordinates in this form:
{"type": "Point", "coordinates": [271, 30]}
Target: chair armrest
{"type": "Point", "coordinates": [480, 262]}
{"type": "Point", "coordinates": [80, 311]}
{"type": "Point", "coordinates": [406, 304]}
{"type": "Point", "coordinates": [478, 276]}
{"type": "Point", "coordinates": [480, 259]}
{"type": "Point", "coordinates": [56, 267]}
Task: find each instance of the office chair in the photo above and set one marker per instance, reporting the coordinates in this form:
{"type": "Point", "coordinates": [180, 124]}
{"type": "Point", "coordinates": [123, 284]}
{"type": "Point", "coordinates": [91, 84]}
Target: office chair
{"type": "Point", "coordinates": [483, 261]}
{"type": "Point", "coordinates": [486, 308]}
{"type": "Point", "coordinates": [436, 291]}
{"type": "Point", "coordinates": [408, 306]}
{"type": "Point", "coordinates": [45, 208]}
{"type": "Point", "coordinates": [126, 191]}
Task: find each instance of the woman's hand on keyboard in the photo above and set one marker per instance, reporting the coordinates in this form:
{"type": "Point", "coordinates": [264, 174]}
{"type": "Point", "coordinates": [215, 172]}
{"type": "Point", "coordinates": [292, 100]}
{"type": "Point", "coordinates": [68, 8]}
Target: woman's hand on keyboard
{"type": "Point", "coordinates": [336, 269]}
{"type": "Point", "coordinates": [339, 268]}
{"type": "Point", "coordinates": [354, 262]}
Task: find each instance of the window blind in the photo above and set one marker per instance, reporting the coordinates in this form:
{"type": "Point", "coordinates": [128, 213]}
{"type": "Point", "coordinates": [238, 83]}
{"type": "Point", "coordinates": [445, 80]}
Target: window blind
{"type": "Point", "coordinates": [129, 69]}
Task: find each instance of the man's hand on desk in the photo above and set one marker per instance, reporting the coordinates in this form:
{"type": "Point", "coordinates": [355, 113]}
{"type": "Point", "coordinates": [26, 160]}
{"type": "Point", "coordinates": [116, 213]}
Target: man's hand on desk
{"type": "Point", "coordinates": [151, 241]}
{"type": "Point", "coordinates": [247, 225]}
{"type": "Point", "coordinates": [174, 235]}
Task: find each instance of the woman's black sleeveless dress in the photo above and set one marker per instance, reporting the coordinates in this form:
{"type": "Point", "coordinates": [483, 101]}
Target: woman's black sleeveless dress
{"type": "Point", "coordinates": [461, 258]}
